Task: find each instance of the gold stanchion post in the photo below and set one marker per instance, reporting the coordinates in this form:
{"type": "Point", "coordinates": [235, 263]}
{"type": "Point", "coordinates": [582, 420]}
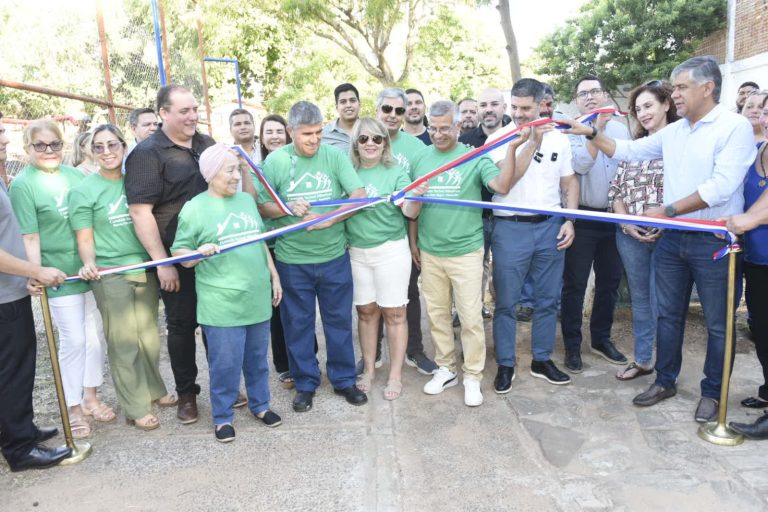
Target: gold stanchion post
{"type": "Point", "coordinates": [81, 449]}
{"type": "Point", "coordinates": [717, 432]}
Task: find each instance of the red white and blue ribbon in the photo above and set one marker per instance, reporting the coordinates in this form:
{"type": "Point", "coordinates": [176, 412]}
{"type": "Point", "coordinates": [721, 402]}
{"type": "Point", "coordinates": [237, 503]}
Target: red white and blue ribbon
{"type": "Point", "coordinates": [282, 205]}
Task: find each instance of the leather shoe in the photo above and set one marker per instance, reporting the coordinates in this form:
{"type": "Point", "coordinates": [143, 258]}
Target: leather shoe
{"type": "Point", "coordinates": [352, 394]}
{"type": "Point", "coordinates": [504, 377]}
{"type": "Point", "coordinates": [706, 410]}
{"type": "Point", "coordinates": [607, 350]}
{"type": "Point", "coordinates": [187, 409]}
{"type": "Point", "coordinates": [654, 395]}
{"type": "Point", "coordinates": [573, 361]}
{"type": "Point", "coordinates": [40, 457]}
{"type": "Point", "coordinates": [44, 434]}
{"type": "Point", "coordinates": [754, 402]}
{"type": "Point", "coordinates": [302, 402]}
{"type": "Point", "coordinates": [756, 431]}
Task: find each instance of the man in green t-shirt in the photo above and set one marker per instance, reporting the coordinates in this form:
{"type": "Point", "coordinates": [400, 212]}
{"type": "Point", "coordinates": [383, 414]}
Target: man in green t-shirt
{"type": "Point", "coordinates": [313, 263]}
{"type": "Point", "coordinates": [450, 244]}
{"type": "Point", "coordinates": [390, 110]}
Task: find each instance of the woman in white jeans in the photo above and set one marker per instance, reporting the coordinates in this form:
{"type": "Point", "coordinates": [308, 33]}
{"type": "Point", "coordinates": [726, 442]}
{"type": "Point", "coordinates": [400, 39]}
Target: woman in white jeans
{"type": "Point", "coordinates": [379, 254]}
{"type": "Point", "coordinates": [40, 196]}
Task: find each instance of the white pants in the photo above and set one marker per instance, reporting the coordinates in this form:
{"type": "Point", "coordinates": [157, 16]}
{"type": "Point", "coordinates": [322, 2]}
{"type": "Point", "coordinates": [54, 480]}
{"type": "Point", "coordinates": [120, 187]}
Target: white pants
{"type": "Point", "coordinates": [81, 344]}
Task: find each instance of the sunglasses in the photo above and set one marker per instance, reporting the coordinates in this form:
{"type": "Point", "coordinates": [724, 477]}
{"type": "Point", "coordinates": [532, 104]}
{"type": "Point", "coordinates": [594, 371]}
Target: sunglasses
{"type": "Point", "coordinates": [377, 139]}
{"type": "Point", "coordinates": [387, 109]}
{"type": "Point", "coordinates": [653, 83]}
{"type": "Point", "coordinates": [42, 147]}
{"type": "Point", "coordinates": [112, 146]}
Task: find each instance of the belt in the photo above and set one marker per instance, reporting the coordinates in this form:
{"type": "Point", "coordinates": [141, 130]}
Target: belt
{"type": "Point", "coordinates": [590, 209]}
{"type": "Point", "coordinates": [533, 219]}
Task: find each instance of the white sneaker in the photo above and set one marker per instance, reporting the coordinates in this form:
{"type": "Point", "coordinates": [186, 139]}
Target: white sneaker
{"type": "Point", "coordinates": [443, 378]}
{"type": "Point", "coordinates": [472, 395]}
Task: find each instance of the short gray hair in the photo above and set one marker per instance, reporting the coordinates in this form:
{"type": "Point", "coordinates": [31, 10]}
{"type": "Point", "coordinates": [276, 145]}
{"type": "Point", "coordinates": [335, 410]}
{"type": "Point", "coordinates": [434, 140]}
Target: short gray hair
{"type": "Point", "coordinates": [700, 70]}
{"type": "Point", "coordinates": [443, 108]}
{"type": "Point", "coordinates": [304, 112]}
{"type": "Point", "coordinates": [391, 92]}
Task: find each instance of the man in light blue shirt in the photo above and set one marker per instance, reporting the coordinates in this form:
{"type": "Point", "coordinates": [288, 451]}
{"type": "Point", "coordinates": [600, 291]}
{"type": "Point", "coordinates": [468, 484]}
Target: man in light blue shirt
{"type": "Point", "coordinates": [706, 155]}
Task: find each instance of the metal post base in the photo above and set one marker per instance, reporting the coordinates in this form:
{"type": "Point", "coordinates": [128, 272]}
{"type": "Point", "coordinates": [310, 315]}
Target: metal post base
{"type": "Point", "coordinates": [715, 433]}
{"type": "Point", "coordinates": [80, 452]}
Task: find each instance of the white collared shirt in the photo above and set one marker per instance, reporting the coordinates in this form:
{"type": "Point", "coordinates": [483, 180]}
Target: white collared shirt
{"type": "Point", "coordinates": [540, 185]}
{"type": "Point", "coordinates": [711, 158]}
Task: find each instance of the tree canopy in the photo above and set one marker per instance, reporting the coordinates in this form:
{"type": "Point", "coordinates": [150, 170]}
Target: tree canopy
{"type": "Point", "coordinates": [626, 41]}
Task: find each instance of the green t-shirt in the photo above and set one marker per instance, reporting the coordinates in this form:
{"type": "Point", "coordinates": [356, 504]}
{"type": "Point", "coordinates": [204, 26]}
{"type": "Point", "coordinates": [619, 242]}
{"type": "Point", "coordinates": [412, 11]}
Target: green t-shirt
{"type": "Point", "coordinates": [40, 203]}
{"type": "Point", "coordinates": [448, 230]}
{"type": "Point", "coordinates": [404, 148]}
{"type": "Point", "coordinates": [326, 175]}
{"type": "Point", "coordinates": [233, 288]}
{"type": "Point", "coordinates": [99, 203]}
{"type": "Point", "coordinates": [377, 224]}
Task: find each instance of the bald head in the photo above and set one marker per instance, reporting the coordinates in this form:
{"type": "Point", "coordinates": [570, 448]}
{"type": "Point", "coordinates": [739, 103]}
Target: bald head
{"type": "Point", "coordinates": [491, 109]}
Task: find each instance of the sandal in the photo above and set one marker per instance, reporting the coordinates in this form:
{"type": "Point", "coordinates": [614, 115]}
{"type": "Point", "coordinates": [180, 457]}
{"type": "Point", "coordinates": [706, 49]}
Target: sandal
{"type": "Point", "coordinates": [393, 389]}
{"type": "Point", "coordinates": [101, 412]}
{"type": "Point", "coordinates": [633, 371]}
{"type": "Point", "coordinates": [168, 400]}
{"type": "Point", "coordinates": [80, 427]}
{"type": "Point", "coordinates": [148, 422]}
{"type": "Point", "coordinates": [364, 382]}
{"type": "Point", "coordinates": [286, 380]}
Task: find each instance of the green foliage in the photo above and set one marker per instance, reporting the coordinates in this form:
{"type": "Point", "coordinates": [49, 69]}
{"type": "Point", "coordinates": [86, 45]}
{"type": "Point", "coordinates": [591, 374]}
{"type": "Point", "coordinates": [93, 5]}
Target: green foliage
{"type": "Point", "coordinates": [626, 41]}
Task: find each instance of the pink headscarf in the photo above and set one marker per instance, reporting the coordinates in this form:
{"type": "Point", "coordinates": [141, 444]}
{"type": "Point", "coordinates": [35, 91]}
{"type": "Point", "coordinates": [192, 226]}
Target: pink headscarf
{"type": "Point", "coordinates": [214, 158]}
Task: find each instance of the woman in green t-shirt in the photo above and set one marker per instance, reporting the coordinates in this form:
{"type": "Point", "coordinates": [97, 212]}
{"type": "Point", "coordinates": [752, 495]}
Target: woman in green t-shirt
{"type": "Point", "coordinates": [379, 254]}
{"type": "Point", "coordinates": [128, 302]}
{"type": "Point", "coordinates": [40, 201]}
{"type": "Point", "coordinates": [236, 290]}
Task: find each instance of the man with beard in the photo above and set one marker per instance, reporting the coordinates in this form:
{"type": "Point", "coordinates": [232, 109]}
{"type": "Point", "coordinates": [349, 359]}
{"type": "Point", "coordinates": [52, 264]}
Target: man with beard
{"type": "Point", "coordinates": [337, 133]}
{"type": "Point", "coordinates": [243, 132]}
{"type": "Point", "coordinates": [415, 123]}
{"type": "Point", "coordinates": [468, 112]}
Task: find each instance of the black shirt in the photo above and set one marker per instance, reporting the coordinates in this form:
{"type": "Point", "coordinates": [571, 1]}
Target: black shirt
{"type": "Point", "coordinates": [162, 173]}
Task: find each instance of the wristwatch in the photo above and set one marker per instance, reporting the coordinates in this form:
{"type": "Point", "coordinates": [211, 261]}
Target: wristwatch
{"type": "Point", "coordinates": [594, 134]}
{"type": "Point", "coordinates": [670, 210]}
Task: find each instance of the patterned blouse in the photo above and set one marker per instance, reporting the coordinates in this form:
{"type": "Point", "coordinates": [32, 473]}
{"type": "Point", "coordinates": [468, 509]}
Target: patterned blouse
{"type": "Point", "coordinates": [639, 184]}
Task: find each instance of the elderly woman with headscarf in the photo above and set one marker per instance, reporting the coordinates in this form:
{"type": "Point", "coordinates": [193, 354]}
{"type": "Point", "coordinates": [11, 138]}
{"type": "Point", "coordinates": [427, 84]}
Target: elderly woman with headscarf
{"type": "Point", "coordinates": [235, 290]}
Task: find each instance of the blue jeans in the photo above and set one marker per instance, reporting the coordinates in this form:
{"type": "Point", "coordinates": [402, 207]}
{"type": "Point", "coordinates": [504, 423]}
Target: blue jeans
{"type": "Point", "coordinates": [523, 248]}
{"type": "Point", "coordinates": [679, 258]}
{"type": "Point", "coordinates": [331, 284]}
{"type": "Point", "coordinates": [230, 350]}
{"type": "Point", "coordinates": [637, 256]}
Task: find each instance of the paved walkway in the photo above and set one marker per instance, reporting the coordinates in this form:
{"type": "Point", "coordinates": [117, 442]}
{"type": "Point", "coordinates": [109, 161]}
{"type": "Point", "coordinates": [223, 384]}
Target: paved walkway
{"type": "Point", "coordinates": [540, 447]}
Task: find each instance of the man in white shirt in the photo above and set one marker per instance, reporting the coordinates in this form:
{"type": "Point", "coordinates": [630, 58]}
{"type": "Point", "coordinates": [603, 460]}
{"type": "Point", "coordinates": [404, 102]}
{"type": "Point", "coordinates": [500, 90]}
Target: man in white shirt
{"type": "Point", "coordinates": [524, 243]}
{"type": "Point", "coordinates": [706, 155]}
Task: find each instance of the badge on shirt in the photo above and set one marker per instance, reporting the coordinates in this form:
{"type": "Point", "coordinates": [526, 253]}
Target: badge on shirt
{"type": "Point", "coordinates": [554, 157]}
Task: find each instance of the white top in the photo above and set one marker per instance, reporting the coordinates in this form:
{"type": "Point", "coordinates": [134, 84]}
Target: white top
{"type": "Point", "coordinates": [540, 185]}
{"type": "Point", "coordinates": [711, 158]}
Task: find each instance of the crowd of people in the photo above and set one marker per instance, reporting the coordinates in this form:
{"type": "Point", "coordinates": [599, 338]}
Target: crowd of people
{"type": "Point", "coordinates": [173, 191]}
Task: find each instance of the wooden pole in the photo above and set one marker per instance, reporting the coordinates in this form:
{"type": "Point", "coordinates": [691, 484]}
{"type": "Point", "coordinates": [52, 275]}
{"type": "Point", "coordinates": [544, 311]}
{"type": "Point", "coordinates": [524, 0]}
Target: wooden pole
{"type": "Point", "coordinates": [166, 53]}
{"type": "Point", "coordinates": [105, 61]}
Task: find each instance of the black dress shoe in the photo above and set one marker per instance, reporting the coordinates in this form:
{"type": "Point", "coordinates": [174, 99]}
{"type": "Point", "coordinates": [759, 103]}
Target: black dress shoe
{"type": "Point", "coordinates": [504, 377]}
{"type": "Point", "coordinates": [654, 395]}
{"type": "Point", "coordinates": [754, 402]}
{"type": "Point", "coordinates": [607, 350]}
{"type": "Point", "coordinates": [548, 371]}
{"type": "Point", "coordinates": [40, 457]}
{"type": "Point", "coordinates": [756, 431]}
{"type": "Point", "coordinates": [573, 361]}
{"type": "Point", "coordinates": [352, 394]}
{"type": "Point", "coordinates": [302, 402]}
{"type": "Point", "coordinates": [44, 434]}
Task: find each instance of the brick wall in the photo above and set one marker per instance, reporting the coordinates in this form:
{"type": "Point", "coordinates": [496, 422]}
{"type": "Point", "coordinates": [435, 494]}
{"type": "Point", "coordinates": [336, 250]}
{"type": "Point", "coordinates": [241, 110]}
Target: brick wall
{"type": "Point", "coordinates": [714, 44]}
{"type": "Point", "coordinates": [751, 28]}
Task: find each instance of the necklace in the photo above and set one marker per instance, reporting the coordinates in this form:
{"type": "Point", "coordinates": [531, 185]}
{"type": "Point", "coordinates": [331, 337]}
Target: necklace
{"type": "Point", "coordinates": [762, 181]}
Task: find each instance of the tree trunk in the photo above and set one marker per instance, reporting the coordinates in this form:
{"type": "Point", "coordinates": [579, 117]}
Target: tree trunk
{"type": "Point", "coordinates": [509, 35]}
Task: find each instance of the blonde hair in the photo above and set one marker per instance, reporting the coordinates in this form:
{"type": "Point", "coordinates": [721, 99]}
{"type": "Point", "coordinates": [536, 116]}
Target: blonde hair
{"type": "Point", "coordinates": [374, 127]}
{"type": "Point", "coordinates": [38, 126]}
{"type": "Point", "coordinates": [81, 148]}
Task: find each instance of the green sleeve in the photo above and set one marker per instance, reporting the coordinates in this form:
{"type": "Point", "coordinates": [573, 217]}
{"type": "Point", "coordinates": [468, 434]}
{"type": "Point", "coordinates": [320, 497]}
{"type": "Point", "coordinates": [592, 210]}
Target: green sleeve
{"type": "Point", "coordinates": [488, 170]}
{"type": "Point", "coordinates": [403, 180]}
{"type": "Point", "coordinates": [270, 168]}
{"type": "Point", "coordinates": [185, 232]}
{"type": "Point", "coordinates": [80, 210]}
{"type": "Point", "coordinates": [23, 203]}
{"type": "Point", "coordinates": [348, 178]}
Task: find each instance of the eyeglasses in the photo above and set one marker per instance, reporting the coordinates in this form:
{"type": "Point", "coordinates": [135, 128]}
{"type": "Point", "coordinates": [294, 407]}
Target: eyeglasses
{"type": "Point", "coordinates": [443, 130]}
{"type": "Point", "coordinates": [377, 139]}
{"type": "Point", "coordinates": [592, 92]}
{"type": "Point", "coordinates": [112, 146]}
{"type": "Point", "coordinates": [387, 109]}
{"type": "Point", "coordinates": [42, 147]}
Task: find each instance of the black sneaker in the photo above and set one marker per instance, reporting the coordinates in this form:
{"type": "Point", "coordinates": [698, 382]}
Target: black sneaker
{"type": "Point", "coordinates": [270, 419]}
{"type": "Point", "coordinates": [486, 312]}
{"type": "Point", "coordinates": [607, 350]}
{"type": "Point", "coordinates": [360, 367]}
{"type": "Point", "coordinates": [421, 362]}
{"type": "Point", "coordinates": [573, 361]}
{"type": "Point", "coordinates": [548, 371]}
{"type": "Point", "coordinates": [503, 381]}
{"type": "Point", "coordinates": [524, 314]}
{"type": "Point", "coordinates": [225, 433]}
{"type": "Point", "coordinates": [456, 320]}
